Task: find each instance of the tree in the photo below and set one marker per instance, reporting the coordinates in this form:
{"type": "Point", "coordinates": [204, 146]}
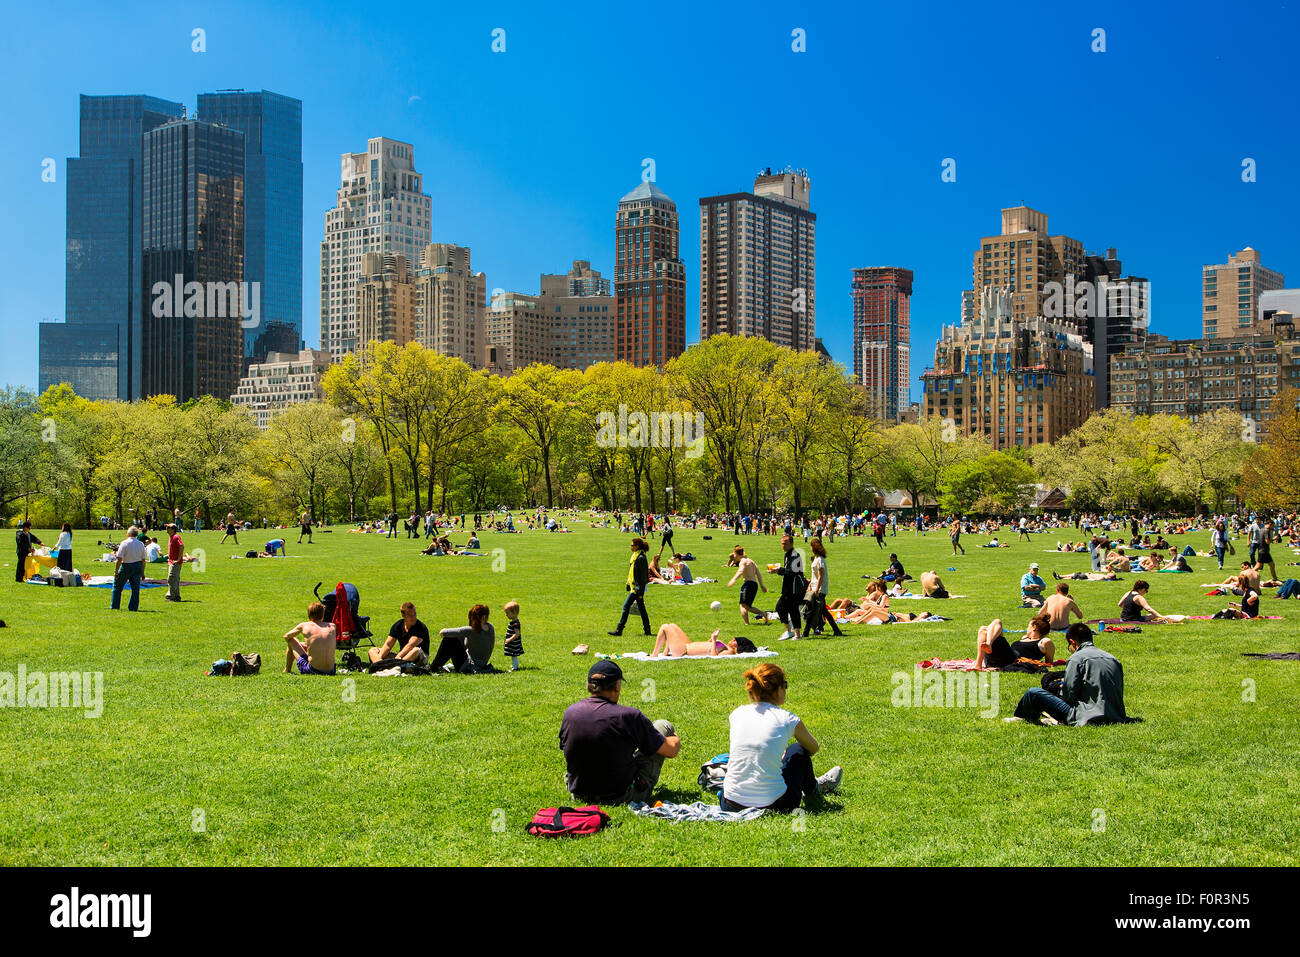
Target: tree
{"type": "Point", "coordinates": [1268, 476]}
{"type": "Point", "coordinates": [1098, 461]}
{"type": "Point", "coordinates": [20, 437]}
{"type": "Point", "coordinates": [536, 400]}
{"type": "Point", "coordinates": [299, 441]}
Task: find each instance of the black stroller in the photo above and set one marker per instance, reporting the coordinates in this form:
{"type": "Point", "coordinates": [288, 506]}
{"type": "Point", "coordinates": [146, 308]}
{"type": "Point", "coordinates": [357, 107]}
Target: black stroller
{"type": "Point", "coordinates": [361, 631]}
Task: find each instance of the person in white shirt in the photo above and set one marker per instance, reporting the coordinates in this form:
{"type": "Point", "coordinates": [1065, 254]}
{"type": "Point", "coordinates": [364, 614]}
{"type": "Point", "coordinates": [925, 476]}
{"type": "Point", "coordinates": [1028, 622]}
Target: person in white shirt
{"type": "Point", "coordinates": [64, 547]}
{"type": "Point", "coordinates": [770, 764]}
{"type": "Point", "coordinates": [129, 569]}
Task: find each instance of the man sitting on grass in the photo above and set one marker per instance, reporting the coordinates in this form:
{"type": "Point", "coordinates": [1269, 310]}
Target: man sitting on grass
{"type": "Point", "coordinates": [1060, 606]}
{"type": "Point", "coordinates": [408, 639]}
{"type": "Point", "coordinates": [1092, 691]}
{"type": "Point", "coordinates": [613, 753]}
{"type": "Point", "coordinates": [316, 655]}
{"type": "Point", "coordinates": [932, 585]}
{"type": "Point", "coordinates": [1031, 588]}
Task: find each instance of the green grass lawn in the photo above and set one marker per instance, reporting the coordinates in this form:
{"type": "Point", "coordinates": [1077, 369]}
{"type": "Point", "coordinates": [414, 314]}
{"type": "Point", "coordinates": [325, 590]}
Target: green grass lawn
{"type": "Point", "coordinates": [448, 769]}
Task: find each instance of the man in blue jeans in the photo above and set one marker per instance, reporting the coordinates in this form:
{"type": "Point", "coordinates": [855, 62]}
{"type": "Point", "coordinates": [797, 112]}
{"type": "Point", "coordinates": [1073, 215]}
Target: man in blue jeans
{"type": "Point", "coordinates": [1092, 691]}
{"type": "Point", "coordinates": [129, 569]}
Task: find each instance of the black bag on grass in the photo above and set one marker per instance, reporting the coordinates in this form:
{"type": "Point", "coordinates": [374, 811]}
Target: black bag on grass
{"type": "Point", "coordinates": [241, 664]}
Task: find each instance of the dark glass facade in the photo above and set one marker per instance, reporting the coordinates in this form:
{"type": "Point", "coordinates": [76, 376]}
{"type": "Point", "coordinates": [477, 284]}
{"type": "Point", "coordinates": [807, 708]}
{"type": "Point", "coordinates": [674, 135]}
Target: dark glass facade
{"type": "Point", "coordinates": [192, 231]}
{"type": "Point", "coordinates": [272, 128]}
{"type": "Point", "coordinates": [103, 250]}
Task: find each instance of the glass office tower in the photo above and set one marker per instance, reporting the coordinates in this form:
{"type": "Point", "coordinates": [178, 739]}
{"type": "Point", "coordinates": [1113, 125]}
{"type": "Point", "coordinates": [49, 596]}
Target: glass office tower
{"type": "Point", "coordinates": [272, 128]}
{"type": "Point", "coordinates": [96, 348]}
{"type": "Point", "coordinates": [192, 232]}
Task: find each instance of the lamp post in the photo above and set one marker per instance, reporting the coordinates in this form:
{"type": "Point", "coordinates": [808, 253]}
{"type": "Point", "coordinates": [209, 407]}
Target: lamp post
{"type": "Point", "coordinates": [669, 492]}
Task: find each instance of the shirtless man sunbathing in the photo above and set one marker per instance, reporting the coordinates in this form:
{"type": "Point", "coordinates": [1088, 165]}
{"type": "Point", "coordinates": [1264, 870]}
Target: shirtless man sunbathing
{"type": "Point", "coordinates": [753, 581]}
{"type": "Point", "coordinates": [932, 585]}
{"type": "Point", "coordinates": [673, 643]}
{"type": "Point", "coordinates": [1060, 606]}
{"type": "Point", "coordinates": [315, 654]}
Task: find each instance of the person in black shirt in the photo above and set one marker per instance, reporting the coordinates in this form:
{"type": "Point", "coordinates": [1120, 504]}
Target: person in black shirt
{"type": "Point", "coordinates": [613, 754]}
{"type": "Point", "coordinates": [24, 540]}
{"type": "Point", "coordinates": [407, 640]}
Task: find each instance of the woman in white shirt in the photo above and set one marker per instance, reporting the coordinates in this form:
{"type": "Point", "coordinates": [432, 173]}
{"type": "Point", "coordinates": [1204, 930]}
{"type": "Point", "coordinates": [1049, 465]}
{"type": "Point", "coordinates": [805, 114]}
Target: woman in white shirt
{"type": "Point", "coordinates": [64, 547]}
{"type": "Point", "coordinates": [770, 763]}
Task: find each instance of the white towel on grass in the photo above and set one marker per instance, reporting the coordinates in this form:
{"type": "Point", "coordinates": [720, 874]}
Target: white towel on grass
{"type": "Point", "coordinates": [699, 811]}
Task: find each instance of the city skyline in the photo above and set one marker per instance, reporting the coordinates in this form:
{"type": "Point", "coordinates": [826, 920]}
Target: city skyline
{"type": "Point", "coordinates": [872, 209]}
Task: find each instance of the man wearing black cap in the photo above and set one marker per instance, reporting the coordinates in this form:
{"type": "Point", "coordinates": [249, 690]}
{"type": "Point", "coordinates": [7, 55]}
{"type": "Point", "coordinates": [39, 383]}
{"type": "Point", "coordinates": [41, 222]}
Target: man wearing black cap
{"type": "Point", "coordinates": [613, 753]}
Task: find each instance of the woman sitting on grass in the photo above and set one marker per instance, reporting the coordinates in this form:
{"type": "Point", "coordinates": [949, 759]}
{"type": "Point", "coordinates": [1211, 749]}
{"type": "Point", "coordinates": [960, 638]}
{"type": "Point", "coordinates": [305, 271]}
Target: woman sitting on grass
{"type": "Point", "coordinates": [672, 642]}
{"type": "Point", "coordinates": [770, 764]}
{"type": "Point", "coordinates": [468, 649]}
{"type": "Point", "coordinates": [1135, 602]}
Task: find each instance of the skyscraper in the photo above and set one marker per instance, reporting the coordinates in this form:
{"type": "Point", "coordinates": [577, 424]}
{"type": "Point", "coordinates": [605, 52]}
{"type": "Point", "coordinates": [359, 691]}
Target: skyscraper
{"type": "Point", "coordinates": [192, 252]}
{"type": "Point", "coordinates": [758, 261]}
{"type": "Point", "coordinates": [1230, 294]}
{"type": "Point", "coordinates": [649, 279]}
{"type": "Point", "coordinates": [1017, 382]}
{"type": "Point", "coordinates": [882, 338]}
{"type": "Point", "coordinates": [1024, 259]}
{"type": "Point", "coordinates": [449, 301]}
{"type": "Point", "coordinates": [583, 315]}
{"type": "Point", "coordinates": [272, 128]}
{"type": "Point", "coordinates": [380, 209]}
{"type": "Point", "coordinates": [385, 300]}
{"type": "Point", "coordinates": [96, 348]}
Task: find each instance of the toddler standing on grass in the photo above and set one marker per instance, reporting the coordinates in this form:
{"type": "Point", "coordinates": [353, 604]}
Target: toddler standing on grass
{"type": "Point", "coordinates": [514, 646]}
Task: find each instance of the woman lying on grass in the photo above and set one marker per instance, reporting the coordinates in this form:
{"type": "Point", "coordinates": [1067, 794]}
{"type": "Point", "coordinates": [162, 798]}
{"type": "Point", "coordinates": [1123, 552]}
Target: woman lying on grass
{"type": "Point", "coordinates": [672, 642]}
{"type": "Point", "coordinates": [873, 606]}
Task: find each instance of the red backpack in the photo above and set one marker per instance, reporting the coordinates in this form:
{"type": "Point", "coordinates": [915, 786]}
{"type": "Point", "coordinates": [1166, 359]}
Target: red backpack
{"type": "Point", "coordinates": [567, 821]}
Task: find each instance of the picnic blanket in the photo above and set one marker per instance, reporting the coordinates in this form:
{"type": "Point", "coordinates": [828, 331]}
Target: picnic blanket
{"type": "Point", "coordinates": [645, 656]}
{"type": "Point", "coordinates": [697, 581]}
{"type": "Point", "coordinates": [877, 621]}
{"type": "Point", "coordinates": [1273, 655]}
{"type": "Point", "coordinates": [106, 581]}
{"type": "Point", "coordinates": [699, 811]}
{"type": "Point", "coordinates": [1173, 619]}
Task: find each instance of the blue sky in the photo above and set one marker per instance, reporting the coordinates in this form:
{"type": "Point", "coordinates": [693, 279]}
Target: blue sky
{"type": "Point", "coordinates": [525, 153]}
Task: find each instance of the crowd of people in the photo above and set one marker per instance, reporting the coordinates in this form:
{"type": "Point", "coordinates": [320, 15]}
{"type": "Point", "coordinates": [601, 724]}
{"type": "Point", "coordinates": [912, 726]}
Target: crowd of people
{"type": "Point", "coordinates": [615, 754]}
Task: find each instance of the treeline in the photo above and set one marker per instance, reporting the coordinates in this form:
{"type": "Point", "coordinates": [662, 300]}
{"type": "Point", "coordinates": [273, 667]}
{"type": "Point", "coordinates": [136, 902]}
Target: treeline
{"type": "Point", "coordinates": [733, 424]}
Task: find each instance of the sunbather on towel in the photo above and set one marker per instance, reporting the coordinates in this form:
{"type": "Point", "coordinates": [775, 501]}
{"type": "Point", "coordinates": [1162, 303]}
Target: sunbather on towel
{"type": "Point", "coordinates": [1087, 577]}
{"type": "Point", "coordinates": [316, 655]}
{"type": "Point", "coordinates": [932, 585]}
{"type": "Point", "coordinates": [992, 650]}
{"type": "Point", "coordinates": [672, 642]}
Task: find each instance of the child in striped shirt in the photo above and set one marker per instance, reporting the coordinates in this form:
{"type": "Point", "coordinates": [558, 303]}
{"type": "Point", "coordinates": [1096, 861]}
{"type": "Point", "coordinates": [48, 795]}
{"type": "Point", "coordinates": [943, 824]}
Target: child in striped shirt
{"type": "Point", "coordinates": [514, 646]}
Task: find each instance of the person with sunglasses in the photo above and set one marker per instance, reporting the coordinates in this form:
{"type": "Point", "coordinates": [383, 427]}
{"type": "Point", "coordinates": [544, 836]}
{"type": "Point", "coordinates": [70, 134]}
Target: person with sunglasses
{"type": "Point", "coordinates": [770, 764]}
